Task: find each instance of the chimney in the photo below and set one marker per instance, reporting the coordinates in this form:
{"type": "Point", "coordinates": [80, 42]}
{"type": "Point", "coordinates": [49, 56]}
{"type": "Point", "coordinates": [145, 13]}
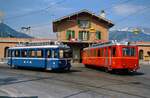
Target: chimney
{"type": "Point", "coordinates": [103, 14]}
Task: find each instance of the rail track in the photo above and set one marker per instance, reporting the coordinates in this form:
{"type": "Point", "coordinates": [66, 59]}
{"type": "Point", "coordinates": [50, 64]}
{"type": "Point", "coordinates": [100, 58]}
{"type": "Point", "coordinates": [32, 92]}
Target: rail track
{"type": "Point", "coordinates": [84, 86]}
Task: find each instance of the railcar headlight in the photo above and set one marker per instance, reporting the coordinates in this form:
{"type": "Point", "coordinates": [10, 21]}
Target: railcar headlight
{"type": "Point", "coordinates": [59, 62]}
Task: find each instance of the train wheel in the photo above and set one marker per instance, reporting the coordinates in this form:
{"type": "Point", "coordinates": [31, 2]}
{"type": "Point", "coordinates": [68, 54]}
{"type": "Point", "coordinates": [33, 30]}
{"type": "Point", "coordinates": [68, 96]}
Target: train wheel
{"type": "Point", "coordinates": [106, 69]}
{"type": "Point", "coordinates": [87, 66]}
{"type": "Point", "coordinates": [68, 68]}
{"type": "Point", "coordinates": [13, 67]}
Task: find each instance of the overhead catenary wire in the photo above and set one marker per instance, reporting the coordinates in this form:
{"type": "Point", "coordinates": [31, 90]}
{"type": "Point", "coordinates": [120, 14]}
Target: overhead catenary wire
{"type": "Point", "coordinates": [34, 12]}
{"type": "Point", "coordinates": [59, 2]}
{"type": "Point", "coordinates": [132, 14]}
{"type": "Point", "coordinates": [114, 5]}
{"type": "Point", "coordinates": [107, 8]}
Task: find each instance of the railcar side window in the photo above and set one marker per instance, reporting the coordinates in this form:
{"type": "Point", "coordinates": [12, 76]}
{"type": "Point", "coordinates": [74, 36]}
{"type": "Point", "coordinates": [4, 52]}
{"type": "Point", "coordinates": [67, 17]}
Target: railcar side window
{"type": "Point", "coordinates": [54, 54]}
{"type": "Point", "coordinates": [17, 53]}
{"type": "Point", "coordinates": [31, 53]}
{"type": "Point", "coordinates": [89, 53]}
{"type": "Point", "coordinates": [128, 51]}
{"type": "Point", "coordinates": [113, 51]}
{"type": "Point", "coordinates": [133, 52]}
{"type": "Point", "coordinates": [24, 53]}
{"type": "Point", "coordinates": [39, 53]}
{"type": "Point", "coordinates": [9, 53]}
{"type": "Point", "coordinates": [102, 52]}
{"type": "Point", "coordinates": [95, 54]}
{"type": "Point", "coordinates": [98, 53]}
{"type": "Point", "coordinates": [13, 53]}
{"type": "Point", "coordinates": [48, 53]}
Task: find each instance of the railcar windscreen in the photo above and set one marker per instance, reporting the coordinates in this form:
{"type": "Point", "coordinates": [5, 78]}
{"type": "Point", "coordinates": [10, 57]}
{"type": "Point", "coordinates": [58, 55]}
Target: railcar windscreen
{"type": "Point", "coordinates": [128, 51]}
{"type": "Point", "coordinates": [65, 53]}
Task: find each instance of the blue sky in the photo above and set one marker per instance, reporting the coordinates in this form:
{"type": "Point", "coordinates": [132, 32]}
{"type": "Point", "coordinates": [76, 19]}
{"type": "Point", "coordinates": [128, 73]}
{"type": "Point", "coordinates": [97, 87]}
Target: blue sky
{"type": "Point", "coordinates": [123, 13]}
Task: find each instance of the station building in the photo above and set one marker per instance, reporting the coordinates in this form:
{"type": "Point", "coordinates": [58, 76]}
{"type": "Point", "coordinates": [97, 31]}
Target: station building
{"type": "Point", "coordinates": [144, 50]}
{"type": "Point", "coordinates": [80, 29]}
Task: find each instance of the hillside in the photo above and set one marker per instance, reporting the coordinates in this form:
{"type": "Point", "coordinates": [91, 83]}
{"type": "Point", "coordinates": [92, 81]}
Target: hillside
{"type": "Point", "coordinates": [129, 36]}
{"type": "Point", "coordinates": [6, 31]}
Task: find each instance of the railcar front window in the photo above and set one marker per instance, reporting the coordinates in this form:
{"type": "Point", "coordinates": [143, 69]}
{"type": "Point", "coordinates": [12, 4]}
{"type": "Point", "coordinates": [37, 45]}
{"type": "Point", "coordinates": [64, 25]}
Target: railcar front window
{"type": "Point", "coordinates": [65, 53]}
{"type": "Point", "coordinates": [61, 53]}
{"type": "Point", "coordinates": [54, 54]}
{"type": "Point", "coordinates": [128, 51]}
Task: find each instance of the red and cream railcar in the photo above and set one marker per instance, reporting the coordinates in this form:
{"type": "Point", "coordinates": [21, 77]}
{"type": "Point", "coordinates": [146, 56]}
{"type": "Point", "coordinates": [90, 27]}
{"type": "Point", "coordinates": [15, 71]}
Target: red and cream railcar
{"type": "Point", "coordinates": [112, 56]}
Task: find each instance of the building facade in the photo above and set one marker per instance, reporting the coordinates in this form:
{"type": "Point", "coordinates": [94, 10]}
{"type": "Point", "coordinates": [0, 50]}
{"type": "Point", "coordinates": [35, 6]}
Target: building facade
{"type": "Point", "coordinates": [5, 43]}
{"type": "Point", "coordinates": [81, 29]}
{"type": "Point", "coordinates": [144, 50]}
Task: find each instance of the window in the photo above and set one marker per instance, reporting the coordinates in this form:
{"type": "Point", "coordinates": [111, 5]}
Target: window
{"type": "Point", "coordinates": [113, 51]}
{"type": "Point", "coordinates": [70, 34]}
{"type": "Point", "coordinates": [132, 51]}
{"type": "Point", "coordinates": [95, 53]}
{"type": "Point", "coordinates": [83, 35]}
{"type": "Point", "coordinates": [54, 54]}
{"type": "Point", "coordinates": [32, 53]}
{"type": "Point", "coordinates": [128, 51]}
{"type": "Point", "coordinates": [24, 53]}
{"type": "Point", "coordinates": [9, 53]}
{"type": "Point", "coordinates": [88, 53]}
{"type": "Point", "coordinates": [98, 35]}
{"type": "Point", "coordinates": [13, 53]}
{"type": "Point", "coordinates": [39, 53]}
{"type": "Point", "coordinates": [61, 53]}
{"type": "Point", "coordinates": [17, 53]}
{"type": "Point", "coordinates": [84, 23]}
{"type": "Point", "coordinates": [49, 53]}
{"type": "Point", "coordinates": [67, 53]}
{"type": "Point", "coordinates": [100, 52]}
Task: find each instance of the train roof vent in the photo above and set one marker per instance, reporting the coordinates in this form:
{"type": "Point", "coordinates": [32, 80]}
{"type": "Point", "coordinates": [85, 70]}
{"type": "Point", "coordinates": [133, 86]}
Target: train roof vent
{"type": "Point", "coordinates": [112, 42]}
{"type": "Point", "coordinates": [104, 43]}
{"type": "Point", "coordinates": [39, 43]}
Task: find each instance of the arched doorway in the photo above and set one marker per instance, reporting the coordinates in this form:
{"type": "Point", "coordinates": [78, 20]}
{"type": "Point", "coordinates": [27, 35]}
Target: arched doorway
{"type": "Point", "coordinates": [141, 54]}
{"type": "Point", "coordinates": [6, 52]}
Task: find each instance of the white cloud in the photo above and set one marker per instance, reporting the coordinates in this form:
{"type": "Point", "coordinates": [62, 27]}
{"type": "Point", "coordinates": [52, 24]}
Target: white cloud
{"type": "Point", "coordinates": [127, 9]}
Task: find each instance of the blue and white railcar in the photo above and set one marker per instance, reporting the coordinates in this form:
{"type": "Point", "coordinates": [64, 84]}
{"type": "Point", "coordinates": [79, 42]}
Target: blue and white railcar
{"type": "Point", "coordinates": [49, 57]}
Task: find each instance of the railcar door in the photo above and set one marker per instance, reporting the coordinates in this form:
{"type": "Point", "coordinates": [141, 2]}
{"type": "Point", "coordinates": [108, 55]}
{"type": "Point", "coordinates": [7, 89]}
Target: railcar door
{"type": "Point", "coordinates": [109, 56]}
{"type": "Point", "coordinates": [10, 57]}
{"type": "Point", "coordinates": [52, 59]}
{"type": "Point", "coordinates": [108, 59]}
{"type": "Point", "coordinates": [106, 56]}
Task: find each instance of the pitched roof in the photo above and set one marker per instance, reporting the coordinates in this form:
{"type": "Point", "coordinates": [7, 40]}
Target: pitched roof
{"type": "Point", "coordinates": [99, 18]}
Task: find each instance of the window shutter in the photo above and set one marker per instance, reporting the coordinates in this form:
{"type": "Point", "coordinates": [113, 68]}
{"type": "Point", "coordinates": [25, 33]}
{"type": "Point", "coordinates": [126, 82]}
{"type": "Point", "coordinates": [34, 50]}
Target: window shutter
{"type": "Point", "coordinates": [80, 35]}
{"type": "Point", "coordinates": [98, 35]}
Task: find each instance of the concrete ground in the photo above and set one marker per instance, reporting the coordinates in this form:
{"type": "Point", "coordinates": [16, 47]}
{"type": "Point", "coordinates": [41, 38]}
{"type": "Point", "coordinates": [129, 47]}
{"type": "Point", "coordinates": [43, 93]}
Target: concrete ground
{"type": "Point", "coordinates": [80, 82]}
